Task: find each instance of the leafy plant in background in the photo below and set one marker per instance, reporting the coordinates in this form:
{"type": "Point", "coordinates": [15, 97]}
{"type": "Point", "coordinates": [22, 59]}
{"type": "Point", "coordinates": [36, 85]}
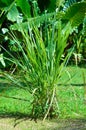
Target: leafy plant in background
{"type": "Point", "coordinates": [78, 35]}
{"type": "Point", "coordinates": [18, 11]}
{"type": "Point", "coordinates": [79, 41]}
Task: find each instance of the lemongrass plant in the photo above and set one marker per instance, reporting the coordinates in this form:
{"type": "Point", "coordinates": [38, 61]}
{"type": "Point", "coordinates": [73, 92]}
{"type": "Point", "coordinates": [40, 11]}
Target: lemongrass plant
{"type": "Point", "coordinates": [39, 66]}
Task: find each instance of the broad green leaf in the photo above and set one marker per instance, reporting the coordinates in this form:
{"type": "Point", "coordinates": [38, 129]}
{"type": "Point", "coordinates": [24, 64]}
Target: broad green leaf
{"type": "Point", "coordinates": [13, 14]}
{"type": "Point", "coordinates": [24, 6]}
{"type": "Point", "coordinates": [5, 3]}
{"type": "Point", "coordinates": [76, 13]}
{"type": "Point", "coordinates": [37, 21]}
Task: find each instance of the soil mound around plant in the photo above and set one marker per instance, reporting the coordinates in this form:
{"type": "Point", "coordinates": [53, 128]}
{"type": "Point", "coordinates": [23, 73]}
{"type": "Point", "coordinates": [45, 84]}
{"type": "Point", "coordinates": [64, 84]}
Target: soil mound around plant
{"type": "Point", "coordinates": [27, 124]}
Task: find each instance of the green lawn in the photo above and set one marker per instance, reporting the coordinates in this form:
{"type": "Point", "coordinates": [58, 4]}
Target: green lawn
{"type": "Point", "coordinates": [70, 93]}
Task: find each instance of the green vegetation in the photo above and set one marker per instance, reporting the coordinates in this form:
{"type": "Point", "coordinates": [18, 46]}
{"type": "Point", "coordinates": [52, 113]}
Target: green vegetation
{"type": "Point", "coordinates": [71, 97]}
{"type": "Point", "coordinates": [37, 43]}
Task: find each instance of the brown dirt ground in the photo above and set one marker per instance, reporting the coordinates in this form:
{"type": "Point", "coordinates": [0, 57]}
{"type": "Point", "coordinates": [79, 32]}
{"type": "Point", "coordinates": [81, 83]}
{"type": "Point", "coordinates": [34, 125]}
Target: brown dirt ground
{"type": "Point", "coordinates": [26, 124]}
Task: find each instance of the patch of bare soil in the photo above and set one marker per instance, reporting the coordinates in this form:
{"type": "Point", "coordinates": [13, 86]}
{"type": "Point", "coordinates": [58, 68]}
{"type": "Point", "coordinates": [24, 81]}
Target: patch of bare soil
{"type": "Point", "coordinates": [26, 124]}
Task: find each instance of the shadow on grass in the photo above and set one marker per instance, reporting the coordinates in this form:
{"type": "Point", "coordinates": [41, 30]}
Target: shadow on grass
{"type": "Point", "coordinates": [72, 84]}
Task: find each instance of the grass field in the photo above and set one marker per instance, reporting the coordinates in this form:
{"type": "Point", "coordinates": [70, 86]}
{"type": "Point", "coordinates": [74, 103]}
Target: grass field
{"type": "Point", "coordinates": [70, 93]}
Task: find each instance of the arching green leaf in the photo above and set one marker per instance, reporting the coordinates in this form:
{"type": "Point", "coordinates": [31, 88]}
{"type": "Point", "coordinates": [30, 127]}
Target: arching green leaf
{"type": "Point", "coordinates": [5, 3]}
{"type": "Point", "coordinates": [13, 14]}
{"type": "Point", "coordinates": [24, 6]}
{"type": "Point", "coordinates": [76, 13]}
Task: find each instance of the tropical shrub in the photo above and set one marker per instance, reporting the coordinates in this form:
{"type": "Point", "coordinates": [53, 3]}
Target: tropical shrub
{"type": "Point", "coordinates": [39, 66]}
